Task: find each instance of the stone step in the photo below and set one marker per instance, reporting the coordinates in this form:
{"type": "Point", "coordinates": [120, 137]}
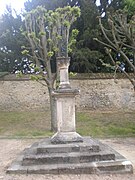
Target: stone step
{"type": "Point", "coordinates": [45, 146]}
{"type": "Point", "coordinates": [59, 158]}
{"type": "Point", "coordinates": [80, 161]}
{"type": "Point", "coordinates": [66, 148]}
{"type": "Point", "coordinates": [102, 167]}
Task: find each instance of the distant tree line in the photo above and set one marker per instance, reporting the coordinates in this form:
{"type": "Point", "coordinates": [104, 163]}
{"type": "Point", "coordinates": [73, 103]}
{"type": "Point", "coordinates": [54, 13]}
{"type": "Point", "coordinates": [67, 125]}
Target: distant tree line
{"type": "Point", "coordinates": [87, 55]}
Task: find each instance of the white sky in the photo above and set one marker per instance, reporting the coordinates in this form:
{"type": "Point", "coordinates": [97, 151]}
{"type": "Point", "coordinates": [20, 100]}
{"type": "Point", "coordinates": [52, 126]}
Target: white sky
{"type": "Point", "coordinates": [15, 4]}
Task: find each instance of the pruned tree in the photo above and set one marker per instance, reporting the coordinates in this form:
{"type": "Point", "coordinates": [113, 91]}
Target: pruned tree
{"type": "Point", "coordinates": [48, 35]}
{"type": "Point", "coordinates": [120, 41]}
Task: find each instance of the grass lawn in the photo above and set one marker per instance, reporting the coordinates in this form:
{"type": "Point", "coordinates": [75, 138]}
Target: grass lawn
{"type": "Point", "coordinates": [106, 124]}
{"type": "Point", "coordinates": [101, 124]}
{"type": "Point", "coordinates": [25, 124]}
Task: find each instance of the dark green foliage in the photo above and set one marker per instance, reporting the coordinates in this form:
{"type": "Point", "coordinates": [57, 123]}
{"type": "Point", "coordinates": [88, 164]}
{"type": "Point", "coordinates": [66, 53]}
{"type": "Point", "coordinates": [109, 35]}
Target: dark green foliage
{"type": "Point", "coordinates": [11, 41]}
{"type": "Point", "coordinates": [86, 60]}
{"type": "Point", "coordinates": [2, 74]}
{"type": "Point", "coordinates": [87, 25]}
{"type": "Point", "coordinates": [11, 38]}
{"type": "Point", "coordinates": [110, 6]}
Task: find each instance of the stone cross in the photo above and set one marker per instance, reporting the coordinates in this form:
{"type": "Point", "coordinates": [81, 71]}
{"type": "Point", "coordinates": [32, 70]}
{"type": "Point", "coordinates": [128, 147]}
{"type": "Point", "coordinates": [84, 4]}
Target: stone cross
{"type": "Point", "coordinates": [65, 107]}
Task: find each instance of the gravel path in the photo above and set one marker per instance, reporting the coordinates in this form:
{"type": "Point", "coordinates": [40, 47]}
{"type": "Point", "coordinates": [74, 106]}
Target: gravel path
{"type": "Point", "coordinates": [10, 148]}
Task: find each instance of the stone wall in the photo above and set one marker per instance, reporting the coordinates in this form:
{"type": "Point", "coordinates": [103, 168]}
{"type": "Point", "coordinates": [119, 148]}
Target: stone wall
{"type": "Point", "coordinates": [22, 95]}
{"type": "Point", "coordinates": [105, 94]}
{"type": "Point", "coordinates": [94, 94]}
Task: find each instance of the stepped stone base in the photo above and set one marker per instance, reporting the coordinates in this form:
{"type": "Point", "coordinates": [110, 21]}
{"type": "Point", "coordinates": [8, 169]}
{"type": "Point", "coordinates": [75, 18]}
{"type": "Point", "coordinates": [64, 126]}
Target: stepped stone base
{"type": "Point", "coordinates": [64, 138]}
{"type": "Point", "coordinates": [87, 157]}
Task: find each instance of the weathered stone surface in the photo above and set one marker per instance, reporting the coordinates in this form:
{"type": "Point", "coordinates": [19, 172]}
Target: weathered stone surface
{"type": "Point", "coordinates": [94, 94]}
{"type": "Point", "coordinates": [91, 168]}
{"type": "Point", "coordinates": [66, 137]}
{"type": "Point", "coordinates": [106, 160]}
{"type": "Point", "coordinates": [61, 148]}
{"type": "Point", "coordinates": [65, 158]}
{"type": "Point", "coordinates": [65, 116]}
{"type": "Point", "coordinates": [62, 65]}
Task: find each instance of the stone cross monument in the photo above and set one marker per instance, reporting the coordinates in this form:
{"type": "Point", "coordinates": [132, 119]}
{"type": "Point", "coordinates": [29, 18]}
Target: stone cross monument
{"type": "Point", "coordinates": [65, 106]}
{"type": "Point", "coordinates": [67, 152]}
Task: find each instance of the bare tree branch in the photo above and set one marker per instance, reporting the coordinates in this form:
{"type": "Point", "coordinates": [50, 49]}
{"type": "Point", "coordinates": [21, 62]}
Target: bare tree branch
{"type": "Point", "coordinates": [121, 40]}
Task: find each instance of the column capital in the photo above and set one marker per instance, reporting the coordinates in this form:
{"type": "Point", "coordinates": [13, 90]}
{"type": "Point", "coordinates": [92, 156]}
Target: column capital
{"type": "Point", "coordinates": [63, 62]}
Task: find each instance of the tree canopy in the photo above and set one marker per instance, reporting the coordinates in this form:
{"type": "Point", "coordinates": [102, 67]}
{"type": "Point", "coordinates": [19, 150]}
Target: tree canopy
{"type": "Point", "coordinates": [47, 32]}
{"type": "Point", "coordinates": [11, 39]}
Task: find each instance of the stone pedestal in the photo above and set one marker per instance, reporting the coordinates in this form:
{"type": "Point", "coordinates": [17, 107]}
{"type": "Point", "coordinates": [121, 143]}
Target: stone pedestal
{"type": "Point", "coordinates": [66, 126]}
{"type": "Point", "coordinates": [65, 106]}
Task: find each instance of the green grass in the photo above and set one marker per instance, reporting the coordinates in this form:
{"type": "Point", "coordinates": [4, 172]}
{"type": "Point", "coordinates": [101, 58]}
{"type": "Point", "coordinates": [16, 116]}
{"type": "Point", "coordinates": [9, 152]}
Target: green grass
{"type": "Point", "coordinates": [25, 124]}
{"type": "Point", "coordinates": [106, 124]}
{"type": "Point", "coordinates": [101, 124]}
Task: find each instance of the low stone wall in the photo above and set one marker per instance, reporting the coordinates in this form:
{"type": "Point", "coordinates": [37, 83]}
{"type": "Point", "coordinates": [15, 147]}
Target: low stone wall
{"type": "Point", "coordinates": [94, 94]}
{"type": "Point", "coordinates": [105, 94]}
{"type": "Point", "coordinates": [22, 95]}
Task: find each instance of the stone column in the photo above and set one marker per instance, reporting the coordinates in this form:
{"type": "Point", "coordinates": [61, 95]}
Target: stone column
{"type": "Point", "coordinates": [65, 107]}
{"type": "Point", "coordinates": [62, 67]}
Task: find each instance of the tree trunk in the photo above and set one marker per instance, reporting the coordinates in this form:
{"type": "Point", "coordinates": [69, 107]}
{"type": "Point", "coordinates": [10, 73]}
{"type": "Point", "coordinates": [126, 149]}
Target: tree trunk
{"type": "Point", "coordinates": [53, 113]}
{"type": "Point", "coordinates": [134, 58]}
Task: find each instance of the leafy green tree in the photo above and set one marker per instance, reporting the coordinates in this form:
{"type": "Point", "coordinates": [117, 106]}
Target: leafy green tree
{"type": "Point", "coordinates": [87, 25]}
{"type": "Point", "coordinates": [88, 28]}
{"type": "Point", "coordinates": [11, 40]}
{"type": "Point", "coordinates": [48, 35]}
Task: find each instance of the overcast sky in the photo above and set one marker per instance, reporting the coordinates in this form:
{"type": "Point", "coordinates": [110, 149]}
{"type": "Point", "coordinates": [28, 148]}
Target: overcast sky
{"type": "Point", "coordinates": [16, 4]}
